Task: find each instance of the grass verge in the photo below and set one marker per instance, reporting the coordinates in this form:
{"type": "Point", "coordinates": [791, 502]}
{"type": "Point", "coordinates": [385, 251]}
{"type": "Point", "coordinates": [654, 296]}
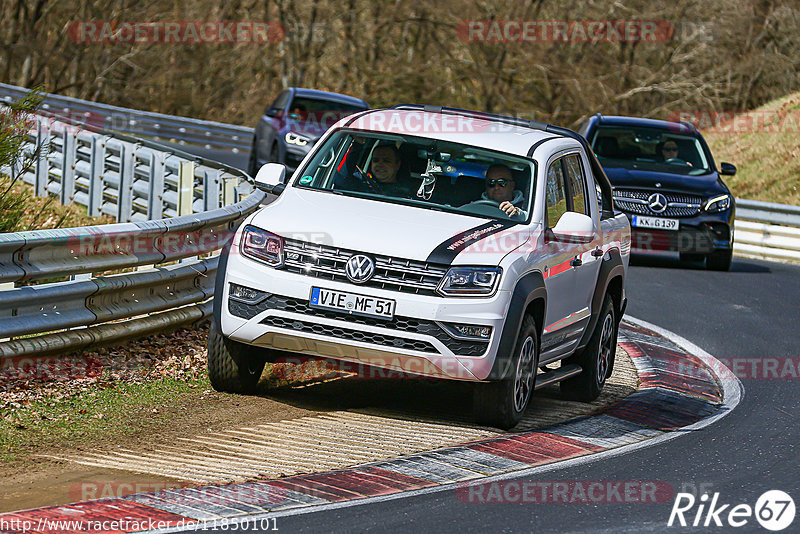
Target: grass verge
{"type": "Point", "coordinates": [95, 416]}
{"type": "Point", "coordinates": [764, 144]}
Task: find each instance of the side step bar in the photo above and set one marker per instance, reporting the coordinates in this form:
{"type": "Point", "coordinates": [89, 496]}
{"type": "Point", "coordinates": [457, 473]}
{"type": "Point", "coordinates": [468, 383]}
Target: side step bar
{"type": "Point", "coordinates": [557, 375]}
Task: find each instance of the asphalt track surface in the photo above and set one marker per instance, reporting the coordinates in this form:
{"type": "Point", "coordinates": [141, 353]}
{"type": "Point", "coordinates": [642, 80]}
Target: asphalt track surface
{"type": "Point", "coordinates": [750, 312]}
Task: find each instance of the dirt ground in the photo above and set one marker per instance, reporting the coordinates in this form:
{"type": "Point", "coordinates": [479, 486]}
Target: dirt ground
{"type": "Point", "coordinates": [38, 479]}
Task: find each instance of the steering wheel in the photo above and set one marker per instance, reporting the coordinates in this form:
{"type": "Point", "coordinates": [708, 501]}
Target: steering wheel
{"type": "Point", "coordinates": [486, 202]}
{"type": "Point", "coordinates": [675, 161]}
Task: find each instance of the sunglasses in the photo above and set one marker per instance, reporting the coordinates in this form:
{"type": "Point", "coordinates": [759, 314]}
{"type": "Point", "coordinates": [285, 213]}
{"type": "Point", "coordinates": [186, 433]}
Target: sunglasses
{"type": "Point", "coordinates": [502, 182]}
{"type": "Point", "coordinates": [670, 149]}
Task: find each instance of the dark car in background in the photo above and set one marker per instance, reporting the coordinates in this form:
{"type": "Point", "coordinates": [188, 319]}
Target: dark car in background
{"type": "Point", "coordinates": [290, 126]}
{"type": "Point", "coordinates": [665, 179]}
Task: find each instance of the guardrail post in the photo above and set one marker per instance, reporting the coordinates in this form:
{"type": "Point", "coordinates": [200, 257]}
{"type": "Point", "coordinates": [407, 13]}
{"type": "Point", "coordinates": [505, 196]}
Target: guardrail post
{"type": "Point", "coordinates": [229, 190]}
{"type": "Point", "coordinates": [42, 161]}
{"type": "Point", "coordinates": [97, 165]}
{"type": "Point", "coordinates": [68, 166]}
{"type": "Point", "coordinates": [185, 187]}
{"type": "Point", "coordinates": [155, 198]}
{"type": "Point", "coordinates": [125, 193]}
{"type": "Point", "coordinates": [211, 189]}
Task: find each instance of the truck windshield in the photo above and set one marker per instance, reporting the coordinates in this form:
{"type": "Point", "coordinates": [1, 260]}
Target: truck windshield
{"type": "Point", "coordinates": [423, 172]}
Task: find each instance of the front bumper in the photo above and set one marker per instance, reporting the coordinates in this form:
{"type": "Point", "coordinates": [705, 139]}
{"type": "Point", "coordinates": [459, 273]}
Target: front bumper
{"type": "Point", "coordinates": [414, 341]}
{"type": "Point", "coordinates": [702, 234]}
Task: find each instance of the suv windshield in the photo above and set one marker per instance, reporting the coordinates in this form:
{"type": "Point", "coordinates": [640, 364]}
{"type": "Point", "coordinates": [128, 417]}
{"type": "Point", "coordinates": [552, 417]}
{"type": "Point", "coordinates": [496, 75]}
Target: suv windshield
{"type": "Point", "coordinates": [427, 173]}
{"type": "Point", "coordinates": [651, 149]}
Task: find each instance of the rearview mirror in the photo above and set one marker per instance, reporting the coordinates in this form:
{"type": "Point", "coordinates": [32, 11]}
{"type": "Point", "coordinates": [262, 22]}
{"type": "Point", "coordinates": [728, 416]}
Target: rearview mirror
{"type": "Point", "coordinates": [727, 169]}
{"type": "Point", "coordinates": [574, 228]}
{"type": "Point", "coordinates": [271, 177]}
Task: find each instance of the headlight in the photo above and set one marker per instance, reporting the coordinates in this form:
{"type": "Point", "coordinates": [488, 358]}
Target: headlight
{"type": "Point", "coordinates": [717, 204]}
{"type": "Point", "coordinates": [470, 281]}
{"type": "Point", "coordinates": [262, 246]}
{"type": "Point", "coordinates": [296, 139]}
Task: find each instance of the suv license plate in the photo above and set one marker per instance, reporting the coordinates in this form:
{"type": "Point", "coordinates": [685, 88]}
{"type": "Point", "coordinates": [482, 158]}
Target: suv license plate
{"type": "Point", "coordinates": [351, 303]}
{"type": "Point", "coordinates": [655, 222]}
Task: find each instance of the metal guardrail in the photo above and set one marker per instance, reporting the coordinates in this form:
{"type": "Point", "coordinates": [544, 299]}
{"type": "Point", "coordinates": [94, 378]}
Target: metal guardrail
{"type": "Point", "coordinates": [766, 230]}
{"type": "Point", "coordinates": [119, 175]}
{"type": "Point", "coordinates": [123, 177]}
{"type": "Point", "coordinates": [158, 126]}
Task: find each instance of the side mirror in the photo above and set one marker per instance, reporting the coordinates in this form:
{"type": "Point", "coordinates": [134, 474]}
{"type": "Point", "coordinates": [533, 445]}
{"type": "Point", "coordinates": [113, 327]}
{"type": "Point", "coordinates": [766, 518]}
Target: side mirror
{"type": "Point", "coordinates": [271, 178]}
{"type": "Point", "coordinates": [727, 169]}
{"type": "Point", "coordinates": [574, 228]}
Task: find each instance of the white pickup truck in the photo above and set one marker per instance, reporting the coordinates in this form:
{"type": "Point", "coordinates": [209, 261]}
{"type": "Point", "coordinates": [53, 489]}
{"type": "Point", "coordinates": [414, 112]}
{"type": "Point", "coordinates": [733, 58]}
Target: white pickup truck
{"type": "Point", "coordinates": [438, 242]}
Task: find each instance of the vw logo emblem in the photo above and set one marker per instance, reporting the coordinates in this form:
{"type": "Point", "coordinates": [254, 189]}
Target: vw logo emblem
{"type": "Point", "coordinates": [359, 268]}
{"type": "Point", "coordinates": [657, 202]}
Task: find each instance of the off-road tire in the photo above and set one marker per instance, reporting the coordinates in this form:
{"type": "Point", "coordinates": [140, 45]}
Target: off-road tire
{"type": "Point", "coordinates": [596, 359]}
{"type": "Point", "coordinates": [233, 367]}
{"type": "Point", "coordinates": [496, 403]}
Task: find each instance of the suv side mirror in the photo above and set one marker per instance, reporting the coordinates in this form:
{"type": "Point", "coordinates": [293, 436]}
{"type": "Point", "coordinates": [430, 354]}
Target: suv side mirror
{"type": "Point", "coordinates": [727, 169]}
{"type": "Point", "coordinates": [271, 178]}
{"type": "Point", "coordinates": [574, 227]}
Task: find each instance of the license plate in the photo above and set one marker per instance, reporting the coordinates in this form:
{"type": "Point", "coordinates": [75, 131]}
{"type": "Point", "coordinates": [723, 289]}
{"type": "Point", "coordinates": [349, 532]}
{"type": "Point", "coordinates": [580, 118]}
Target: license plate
{"type": "Point", "coordinates": [341, 301]}
{"type": "Point", "coordinates": [655, 222]}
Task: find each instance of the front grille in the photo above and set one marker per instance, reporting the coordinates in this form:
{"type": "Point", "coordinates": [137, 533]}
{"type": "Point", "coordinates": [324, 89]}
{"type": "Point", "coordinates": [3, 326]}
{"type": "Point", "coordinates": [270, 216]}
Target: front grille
{"type": "Point", "coordinates": [678, 204]}
{"type": "Point", "coordinates": [403, 324]}
{"type": "Point", "coordinates": [394, 274]}
{"type": "Point", "coordinates": [349, 334]}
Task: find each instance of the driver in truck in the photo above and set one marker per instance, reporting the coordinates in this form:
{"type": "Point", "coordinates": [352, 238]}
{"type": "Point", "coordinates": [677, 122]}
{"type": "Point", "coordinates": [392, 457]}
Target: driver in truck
{"type": "Point", "coordinates": [500, 188]}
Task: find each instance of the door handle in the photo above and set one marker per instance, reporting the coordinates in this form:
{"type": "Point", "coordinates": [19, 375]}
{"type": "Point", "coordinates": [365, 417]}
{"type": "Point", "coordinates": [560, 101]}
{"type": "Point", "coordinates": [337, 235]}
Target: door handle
{"type": "Point", "coordinates": [597, 252]}
{"type": "Point", "coordinates": [576, 262]}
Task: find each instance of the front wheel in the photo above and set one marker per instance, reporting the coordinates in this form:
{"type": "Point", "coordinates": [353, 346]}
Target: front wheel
{"type": "Point", "coordinates": [501, 404]}
{"type": "Point", "coordinates": [719, 260]}
{"type": "Point", "coordinates": [233, 367]}
{"type": "Point", "coordinates": [252, 162]}
{"type": "Point", "coordinates": [596, 359]}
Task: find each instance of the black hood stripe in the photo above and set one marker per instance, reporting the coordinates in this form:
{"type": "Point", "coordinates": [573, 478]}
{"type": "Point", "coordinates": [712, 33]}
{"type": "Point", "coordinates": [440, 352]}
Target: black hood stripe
{"type": "Point", "coordinates": [447, 251]}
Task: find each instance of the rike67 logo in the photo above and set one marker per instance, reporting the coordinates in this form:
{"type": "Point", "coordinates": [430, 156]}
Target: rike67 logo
{"type": "Point", "coordinates": [774, 510]}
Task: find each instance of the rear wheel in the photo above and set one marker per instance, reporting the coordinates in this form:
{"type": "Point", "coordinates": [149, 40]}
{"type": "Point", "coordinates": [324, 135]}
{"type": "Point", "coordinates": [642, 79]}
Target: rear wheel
{"type": "Point", "coordinates": [233, 367]}
{"type": "Point", "coordinates": [596, 360]}
{"type": "Point", "coordinates": [719, 260]}
{"type": "Point", "coordinates": [501, 404]}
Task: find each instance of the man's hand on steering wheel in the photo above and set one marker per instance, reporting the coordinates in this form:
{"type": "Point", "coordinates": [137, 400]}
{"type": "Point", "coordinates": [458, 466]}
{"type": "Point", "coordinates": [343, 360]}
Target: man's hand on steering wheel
{"type": "Point", "coordinates": [509, 208]}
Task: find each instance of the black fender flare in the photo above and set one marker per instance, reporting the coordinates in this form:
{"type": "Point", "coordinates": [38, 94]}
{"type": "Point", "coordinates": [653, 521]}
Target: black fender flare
{"type": "Point", "coordinates": [611, 267]}
{"type": "Point", "coordinates": [219, 287]}
{"type": "Point", "coordinates": [528, 288]}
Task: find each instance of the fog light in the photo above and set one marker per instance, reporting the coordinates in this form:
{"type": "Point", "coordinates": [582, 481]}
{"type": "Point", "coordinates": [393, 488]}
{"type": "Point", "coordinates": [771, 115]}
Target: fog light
{"type": "Point", "coordinates": [245, 294]}
{"type": "Point", "coordinates": [473, 331]}
{"type": "Point", "coordinates": [467, 331]}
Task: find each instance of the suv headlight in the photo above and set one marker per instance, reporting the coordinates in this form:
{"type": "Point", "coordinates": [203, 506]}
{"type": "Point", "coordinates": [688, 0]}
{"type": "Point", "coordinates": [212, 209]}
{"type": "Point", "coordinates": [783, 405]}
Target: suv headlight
{"type": "Point", "coordinates": [296, 139]}
{"type": "Point", "coordinates": [262, 246]}
{"type": "Point", "coordinates": [460, 281]}
{"type": "Point", "coordinates": [717, 204]}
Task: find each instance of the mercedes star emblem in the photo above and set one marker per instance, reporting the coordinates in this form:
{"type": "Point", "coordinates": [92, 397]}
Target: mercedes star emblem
{"type": "Point", "coordinates": [657, 202]}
